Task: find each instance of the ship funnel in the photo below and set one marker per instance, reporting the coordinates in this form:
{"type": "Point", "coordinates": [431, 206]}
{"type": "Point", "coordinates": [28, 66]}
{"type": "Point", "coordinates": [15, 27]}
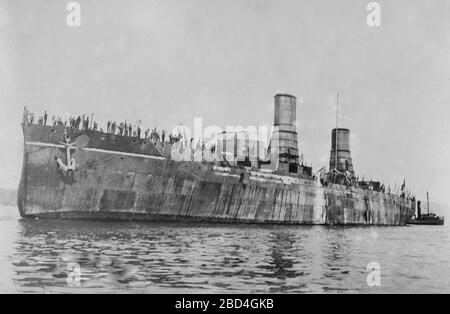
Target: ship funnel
{"type": "Point", "coordinates": [284, 146]}
{"type": "Point", "coordinates": [341, 147]}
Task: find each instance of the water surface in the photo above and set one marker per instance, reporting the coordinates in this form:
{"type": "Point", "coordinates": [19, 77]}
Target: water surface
{"type": "Point", "coordinates": [37, 255]}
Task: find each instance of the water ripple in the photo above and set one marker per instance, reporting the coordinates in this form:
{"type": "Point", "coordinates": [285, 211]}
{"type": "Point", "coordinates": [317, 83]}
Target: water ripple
{"type": "Point", "coordinates": [187, 258]}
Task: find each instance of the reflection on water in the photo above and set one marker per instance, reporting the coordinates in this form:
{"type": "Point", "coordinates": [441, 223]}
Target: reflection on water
{"type": "Point", "coordinates": [39, 255]}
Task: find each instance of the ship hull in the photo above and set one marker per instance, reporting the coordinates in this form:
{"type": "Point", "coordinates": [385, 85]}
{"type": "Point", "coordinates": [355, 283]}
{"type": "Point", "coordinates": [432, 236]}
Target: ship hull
{"type": "Point", "coordinates": [113, 182]}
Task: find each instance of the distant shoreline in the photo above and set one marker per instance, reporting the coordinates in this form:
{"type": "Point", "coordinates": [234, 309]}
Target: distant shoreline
{"type": "Point", "coordinates": [8, 197]}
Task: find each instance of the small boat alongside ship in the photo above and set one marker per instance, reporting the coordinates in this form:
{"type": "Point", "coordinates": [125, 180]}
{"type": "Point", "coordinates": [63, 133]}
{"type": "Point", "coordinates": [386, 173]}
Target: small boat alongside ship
{"type": "Point", "coordinates": [428, 218]}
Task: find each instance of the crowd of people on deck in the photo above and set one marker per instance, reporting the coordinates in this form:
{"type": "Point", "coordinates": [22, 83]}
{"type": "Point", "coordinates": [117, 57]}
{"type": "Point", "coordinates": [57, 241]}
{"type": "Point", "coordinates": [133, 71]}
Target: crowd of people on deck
{"type": "Point", "coordinates": [83, 122]}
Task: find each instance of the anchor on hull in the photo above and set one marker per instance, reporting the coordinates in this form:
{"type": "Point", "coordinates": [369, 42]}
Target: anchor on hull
{"type": "Point", "coordinates": [71, 163]}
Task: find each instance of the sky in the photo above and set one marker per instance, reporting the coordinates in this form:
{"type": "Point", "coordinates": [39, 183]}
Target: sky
{"type": "Point", "coordinates": [167, 61]}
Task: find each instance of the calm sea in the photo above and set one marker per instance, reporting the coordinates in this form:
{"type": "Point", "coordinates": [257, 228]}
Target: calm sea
{"type": "Point", "coordinates": [48, 256]}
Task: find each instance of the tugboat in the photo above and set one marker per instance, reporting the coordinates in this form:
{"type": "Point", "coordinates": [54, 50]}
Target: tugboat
{"type": "Point", "coordinates": [428, 218]}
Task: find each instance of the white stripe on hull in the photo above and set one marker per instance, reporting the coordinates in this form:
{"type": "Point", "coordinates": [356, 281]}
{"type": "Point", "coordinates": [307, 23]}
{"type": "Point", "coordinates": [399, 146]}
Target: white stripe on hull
{"type": "Point", "coordinates": [45, 144]}
{"type": "Point", "coordinates": [97, 150]}
{"type": "Point", "coordinates": [122, 153]}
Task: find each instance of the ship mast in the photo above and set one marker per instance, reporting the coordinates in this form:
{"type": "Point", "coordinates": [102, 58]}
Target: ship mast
{"type": "Point", "coordinates": [428, 204]}
{"type": "Point", "coordinates": [336, 133]}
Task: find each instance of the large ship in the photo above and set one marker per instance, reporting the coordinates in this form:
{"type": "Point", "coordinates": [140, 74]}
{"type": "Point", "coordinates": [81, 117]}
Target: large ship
{"type": "Point", "coordinates": [82, 173]}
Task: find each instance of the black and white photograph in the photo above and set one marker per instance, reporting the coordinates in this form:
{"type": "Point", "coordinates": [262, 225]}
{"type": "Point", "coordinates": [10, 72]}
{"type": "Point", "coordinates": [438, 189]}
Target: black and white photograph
{"type": "Point", "coordinates": [224, 152]}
